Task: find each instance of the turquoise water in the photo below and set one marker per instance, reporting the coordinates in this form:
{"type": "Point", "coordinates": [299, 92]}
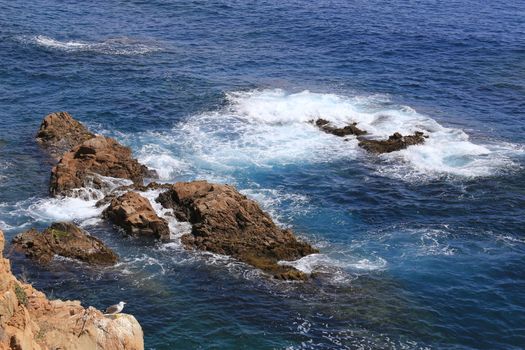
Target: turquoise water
{"type": "Point", "coordinates": [423, 248]}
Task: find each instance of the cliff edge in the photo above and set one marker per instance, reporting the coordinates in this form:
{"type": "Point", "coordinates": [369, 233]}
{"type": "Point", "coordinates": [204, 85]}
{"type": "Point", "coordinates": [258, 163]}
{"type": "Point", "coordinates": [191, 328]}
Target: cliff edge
{"type": "Point", "coordinates": [28, 320]}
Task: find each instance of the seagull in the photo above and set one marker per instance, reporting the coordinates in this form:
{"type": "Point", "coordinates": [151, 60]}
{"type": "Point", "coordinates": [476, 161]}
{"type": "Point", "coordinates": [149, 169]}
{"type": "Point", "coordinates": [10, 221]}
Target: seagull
{"type": "Point", "coordinates": [115, 309]}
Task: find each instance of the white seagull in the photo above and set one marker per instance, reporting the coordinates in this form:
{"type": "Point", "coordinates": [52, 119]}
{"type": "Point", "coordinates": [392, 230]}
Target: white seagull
{"type": "Point", "coordinates": [115, 309]}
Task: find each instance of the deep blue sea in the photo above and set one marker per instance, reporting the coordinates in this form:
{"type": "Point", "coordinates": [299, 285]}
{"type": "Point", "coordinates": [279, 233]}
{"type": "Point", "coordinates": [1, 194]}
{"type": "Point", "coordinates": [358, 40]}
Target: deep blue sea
{"type": "Point", "coordinates": [420, 249]}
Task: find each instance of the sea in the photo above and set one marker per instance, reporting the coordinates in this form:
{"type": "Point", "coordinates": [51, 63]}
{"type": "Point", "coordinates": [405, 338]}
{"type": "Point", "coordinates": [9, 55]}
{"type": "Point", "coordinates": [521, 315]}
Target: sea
{"type": "Point", "coordinates": [423, 248]}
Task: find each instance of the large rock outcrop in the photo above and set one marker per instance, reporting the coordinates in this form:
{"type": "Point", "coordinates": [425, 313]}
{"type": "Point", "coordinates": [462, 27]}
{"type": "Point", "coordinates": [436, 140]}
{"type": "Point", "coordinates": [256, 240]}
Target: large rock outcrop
{"type": "Point", "coordinates": [97, 156]}
{"type": "Point", "coordinates": [29, 321]}
{"type": "Point", "coordinates": [394, 143]}
{"type": "Point", "coordinates": [136, 216]}
{"type": "Point", "coordinates": [227, 222]}
{"type": "Point", "coordinates": [64, 239]}
{"type": "Point", "coordinates": [59, 133]}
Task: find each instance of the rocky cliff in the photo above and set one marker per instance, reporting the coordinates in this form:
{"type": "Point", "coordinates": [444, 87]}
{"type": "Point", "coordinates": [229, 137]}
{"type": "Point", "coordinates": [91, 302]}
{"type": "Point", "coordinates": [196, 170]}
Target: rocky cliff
{"type": "Point", "coordinates": [28, 320]}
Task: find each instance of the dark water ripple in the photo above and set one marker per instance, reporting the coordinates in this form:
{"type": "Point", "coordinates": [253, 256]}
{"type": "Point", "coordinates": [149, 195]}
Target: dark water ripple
{"type": "Point", "coordinates": [416, 253]}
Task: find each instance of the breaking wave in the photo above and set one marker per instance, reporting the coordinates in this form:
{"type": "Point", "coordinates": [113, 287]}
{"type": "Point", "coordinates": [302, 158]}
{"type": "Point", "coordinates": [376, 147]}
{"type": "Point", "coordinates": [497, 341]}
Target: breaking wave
{"type": "Point", "coordinates": [265, 128]}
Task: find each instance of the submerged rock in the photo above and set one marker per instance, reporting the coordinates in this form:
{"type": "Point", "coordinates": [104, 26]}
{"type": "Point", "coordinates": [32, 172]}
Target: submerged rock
{"type": "Point", "coordinates": [67, 240]}
{"type": "Point", "coordinates": [28, 320]}
{"type": "Point", "coordinates": [227, 222]}
{"type": "Point", "coordinates": [394, 143]}
{"type": "Point", "coordinates": [97, 156]}
{"type": "Point", "coordinates": [351, 129]}
{"type": "Point", "coordinates": [136, 216]}
{"type": "Point", "coordinates": [59, 132]}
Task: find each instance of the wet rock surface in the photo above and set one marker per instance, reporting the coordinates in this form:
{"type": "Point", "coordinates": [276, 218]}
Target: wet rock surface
{"type": "Point", "coordinates": [227, 222]}
{"type": "Point", "coordinates": [136, 216]}
{"type": "Point", "coordinates": [394, 143]}
{"type": "Point", "coordinates": [327, 127]}
{"type": "Point", "coordinates": [67, 240]}
{"type": "Point", "coordinates": [97, 156]}
{"type": "Point", "coordinates": [59, 133]}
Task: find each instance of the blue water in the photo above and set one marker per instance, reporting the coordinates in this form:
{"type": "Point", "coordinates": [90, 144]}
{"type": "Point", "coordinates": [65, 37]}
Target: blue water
{"type": "Point", "coordinates": [424, 248]}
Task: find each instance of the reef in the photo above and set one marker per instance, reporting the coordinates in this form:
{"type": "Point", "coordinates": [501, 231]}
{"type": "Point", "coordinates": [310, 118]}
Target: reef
{"type": "Point", "coordinates": [327, 127]}
{"type": "Point", "coordinates": [135, 215]}
{"type": "Point", "coordinates": [226, 222]}
{"type": "Point", "coordinates": [64, 239]}
{"type": "Point", "coordinates": [99, 155]}
{"type": "Point", "coordinates": [394, 143]}
{"type": "Point", "coordinates": [59, 133]}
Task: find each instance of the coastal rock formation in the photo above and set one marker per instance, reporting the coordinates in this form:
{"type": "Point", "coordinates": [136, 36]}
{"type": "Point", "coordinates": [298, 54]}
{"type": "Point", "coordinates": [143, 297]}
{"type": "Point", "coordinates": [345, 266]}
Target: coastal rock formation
{"type": "Point", "coordinates": [59, 133]}
{"type": "Point", "coordinates": [227, 222]}
{"type": "Point", "coordinates": [136, 216]}
{"type": "Point", "coordinates": [351, 129]}
{"type": "Point", "coordinates": [29, 321]}
{"type": "Point", "coordinates": [394, 143]}
{"type": "Point", "coordinates": [64, 239]}
{"type": "Point", "coordinates": [97, 156]}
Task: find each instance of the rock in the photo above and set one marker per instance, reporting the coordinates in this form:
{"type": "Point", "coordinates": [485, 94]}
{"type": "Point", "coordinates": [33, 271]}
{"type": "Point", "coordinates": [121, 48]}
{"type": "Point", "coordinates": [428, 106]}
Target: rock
{"type": "Point", "coordinates": [136, 216]}
{"type": "Point", "coordinates": [67, 240]}
{"type": "Point", "coordinates": [227, 222]}
{"type": "Point", "coordinates": [97, 156]}
{"type": "Point", "coordinates": [133, 187]}
{"type": "Point", "coordinates": [394, 143]}
{"type": "Point", "coordinates": [59, 132]}
{"type": "Point", "coordinates": [351, 129]}
{"type": "Point", "coordinates": [28, 320]}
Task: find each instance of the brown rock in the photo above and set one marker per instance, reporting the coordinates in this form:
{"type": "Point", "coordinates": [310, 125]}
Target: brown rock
{"type": "Point", "coordinates": [67, 240]}
{"type": "Point", "coordinates": [227, 222]}
{"type": "Point", "coordinates": [59, 132]}
{"type": "Point", "coordinates": [351, 129]}
{"type": "Point", "coordinates": [28, 320]}
{"type": "Point", "coordinates": [136, 216]}
{"type": "Point", "coordinates": [394, 143]}
{"type": "Point", "coordinates": [98, 155]}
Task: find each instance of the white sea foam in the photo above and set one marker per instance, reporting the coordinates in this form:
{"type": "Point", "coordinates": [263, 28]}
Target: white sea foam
{"type": "Point", "coordinates": [62, 209]}
{"type": "Point", "coordinates": [446, 151]}
{"type": "Point", "coordinates": [267, 128]}
{"type": "Point", "coordinates": [162, 161]}
{"type": "Point", "coordinates": [310, 263]}
{"type": "Point", "coordinates": [115, 46]}
{"type": "Point", "coordinates": [177, 228]}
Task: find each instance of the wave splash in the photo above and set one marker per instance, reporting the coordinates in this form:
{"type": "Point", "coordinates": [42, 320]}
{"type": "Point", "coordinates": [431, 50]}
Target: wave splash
{"type": "Point", "coordinates": [116, 46]}
{"type": "Point", "coordinates": [447, 151]}
{"type": "Point", "coordinates": [261, 129]}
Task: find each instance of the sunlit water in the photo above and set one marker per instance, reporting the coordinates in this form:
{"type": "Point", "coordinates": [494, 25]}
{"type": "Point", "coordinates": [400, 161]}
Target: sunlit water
{"type": "Point", "coordinates": [422, 248]}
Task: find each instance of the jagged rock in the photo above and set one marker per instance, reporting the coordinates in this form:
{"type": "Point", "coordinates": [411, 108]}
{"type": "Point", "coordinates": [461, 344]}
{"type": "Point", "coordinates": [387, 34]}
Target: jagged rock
{"type": "Point", "coordinates": [29, 321]}
{"type": "Point", "coordinates": [136, 216]}
{"type": "Point", "coordinates": [351, 129]}
{"type": "Point", "coordinates": [227, 222]}
{"type": "Point", "coordinates": [59, 132]}
{"type": "Point", "coordinates": [394, 143]}
{"type": "Point", "coordinates": [67, 240]}
{"type": "Point", "coordinates": [133, 187]}
{"type": "Point", "coordinates": [97, 156]}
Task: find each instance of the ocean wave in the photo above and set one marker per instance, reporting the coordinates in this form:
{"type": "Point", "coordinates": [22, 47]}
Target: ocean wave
{"type": "Point", "coordinates": [267, 128]}
{"type": "Point", "coordinates": [79, 207]}
{"type": "Point", "coordinates": [116, 46]}
{"type": "Point", "coordinates": [446, 151]}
